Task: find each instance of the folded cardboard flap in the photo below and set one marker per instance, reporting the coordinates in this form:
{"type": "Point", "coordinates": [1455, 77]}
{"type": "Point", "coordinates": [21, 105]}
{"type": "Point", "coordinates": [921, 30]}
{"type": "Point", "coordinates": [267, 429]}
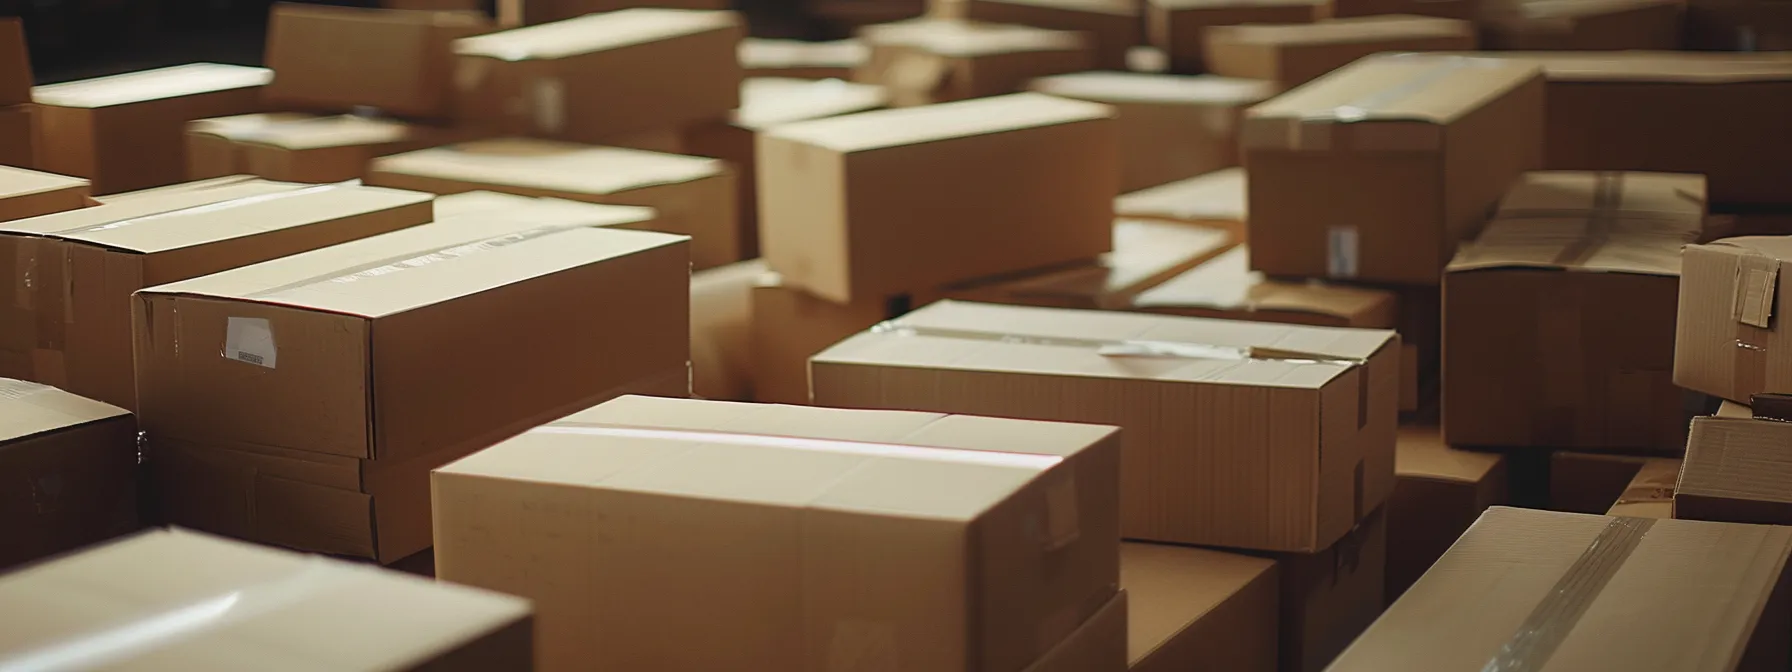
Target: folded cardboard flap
{"type": "Point", "coordinates": [1417, 90]}
{"type": "Point", "coordinates": [150, 85]}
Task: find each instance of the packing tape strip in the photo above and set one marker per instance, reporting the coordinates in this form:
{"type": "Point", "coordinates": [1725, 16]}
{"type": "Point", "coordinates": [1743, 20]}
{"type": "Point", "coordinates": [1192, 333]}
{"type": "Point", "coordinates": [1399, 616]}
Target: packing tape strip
{"type": "Point", "coordinates": [1123, 348]}
{"type": "Point", "coordinates": [1549, 623]}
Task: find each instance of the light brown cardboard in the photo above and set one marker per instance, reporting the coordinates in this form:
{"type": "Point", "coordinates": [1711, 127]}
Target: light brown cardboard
{"type": "Point", "coordinates": [797, 59]}
{"type": "Point", "coordinates": [28, 193]}
{"type": "Point", "coordinates": [1012, 183]}
{"type": "Point", "coordinates": [1112, 26]}
{"type": "Point", "coordinates": [1650, 493]}
{"type": "Point", "coordinates": [722, 363]}
{"type": "Point", "coordinates": [1098, 646]}
{"type": "Point", "coordinates": [70, 471]}
{"type": "Point", "coordinates": [334, 149]}
{"type": "Point", "coordinates": [694, 196]}
{"type": "Point", "coordinates": [1146, 253]}
{"type": "Point", "coordinates": [205, 185]}
{"type": "Point", "coordinates": [1731, 409]}
{"type": "Point", "coordinates": [543, 11]}
{"type": "Point", "coordinates": [1558, 318]}
{"type": "Point", "coordinates": [1439, 491]}
{"type": "Point", "coordinates": [1273, 443]}
{"type": "Point", "coordinates": [1291, 55]}
{"type": "Point", "coordinates": [173, 599]}
{"type": "Point", "coordinates": [1225, 287]}
{"type": "Point", "coordinates": [1583, 25]}
{"type": "Point", "coordinates": [1330, 597]}
{"type": "Point", "coordinates": [1663, 594]}
{"type": "Point", "coordinates": [1735, 471]}
{"type": "Point", "coordinates": [1190, 607]}
{"type": "Point", "coordinates": [212, 151]}
{"type": "Point", "coordinates": [1170, 127]}
{"type": "Point", "coordinates": [439, 5]}
{"type": "Point", "coordinates": [1213, 199]}
{"type": "Point", "coordinates": [1727, 343]}
{"type": "Point", "coordinates": [932, 60]}
{"type": "Point", "coordinates": [18, 136]}
{"type": "Point", "coordinates": [906, 541]}
{"type": "Point", "coordinates": [1179, 27]}
{"type": "Point", "coordinates": [790, 326]}
{"type": "Point", "coordinates": [563, 79]}
{"type": "Point", "coordinates": [127, 132]}
{"type": "Point", "coordinates": [334, 59]}
{"type": "Point", "coordinates": [1376, 171]}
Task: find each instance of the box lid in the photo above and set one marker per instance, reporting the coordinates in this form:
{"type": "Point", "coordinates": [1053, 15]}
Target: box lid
{"type": "Point", "coordinates": [1347, 31]}
{"type": "Point", "coordinates": [961, 38]}
{"type": "Point", "coordinates": [1420, 452]}
{"type": "Point", "coordinates": [21, 182]}
{"type": "Point", "coordinates": [148, 85]}
{"type": "Point", "coordinates": [1227, 283]}
{"type": "Point", "coordinates": [912, 125]}
{"type": "Point", "coordinates": [1424, 89]}
{"type": "Point", "coordinates": [595, 32]}
{"type": "Point", "coordinates": [28, 409]}
{"type": "Point", "coordinates": [766, 101]}
{"type": "Point", "coordinates": [1172, 587]}
{"type": "Point", "coordinates": [1219, 195]}
{"type": "Point", "coordinates": [550, 165]}
{"type": "Point", "coordinates": [1653, 66]}
{"type": "Point", "coordinates": [143, 204]}
{"type": "Point", "coordinates": [758, 53]}
{"type": "Point", "coordinates": [173, 599]}
{"type": "Point", "coordinates": [1140, 87]}
{"type": "Point", "coordinates": [1738, 458]}
{"type": "Point", "coordinates": [240, 217]}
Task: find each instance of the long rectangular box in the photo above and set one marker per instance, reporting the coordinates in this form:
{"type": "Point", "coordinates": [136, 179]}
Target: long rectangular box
{"type": "Point", "coordinates": [1179, 27]}
{"type": "Point", "coordinates": [930, 60]}
{"type": "Point", "coordinates": [335, 59]}
{"type": "Point", "coordinates": [68, 471]}
{"type": "Point", "coordinates": [1170, 127]}
{"type": "Point", "coordinates": [1191, 607]}
{"type": "Point", "coordinates": [1293, 54]}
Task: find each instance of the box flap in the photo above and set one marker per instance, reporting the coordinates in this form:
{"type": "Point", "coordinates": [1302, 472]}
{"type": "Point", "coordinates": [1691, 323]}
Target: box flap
{"type": "Point", "coordinates": [28, 408]}
{"type": "Point", "coordinates": [1653, 66]}
{"type": "Point", "coordinates": [765, 101]}
{"type": "Point", "coordinates": [1345, 31]}
{"type": "Point", "coordinates": [912, 125]}
{"type": "Point", "coordinates": [1413, 87]}
{"type": "Point", "coordinates": [21, 182]}
{"type": "Point", "coordinates": [235, 127]}
{"type": "Point", "coordinates": [1738, 458]}
{"type": "Point", "coordinates": [1139, 87]}
{"type": "Point", "coordinates": [549, 165]}
{"type": "Point", "coordinates": [758, 53]}
{"type": "Point", "coordinates": [240, 217]}
{"type": "Point", "coordinates": [595, 32]}
{"type": "Point", "coordinates": [1228, 283]}
{"type": "Point", "coordinates": [1219, 195]}
{"type": "Point", "coordinates": [961, 38]}
{"type": "Point", "coordinates": [1591, 221]}
{"type": "Point", "coordinates": [1420, 452]}
{"type": "Point", "coordinates": [148, 85]}
{"type": "Point", "coordinates": [145, 204]}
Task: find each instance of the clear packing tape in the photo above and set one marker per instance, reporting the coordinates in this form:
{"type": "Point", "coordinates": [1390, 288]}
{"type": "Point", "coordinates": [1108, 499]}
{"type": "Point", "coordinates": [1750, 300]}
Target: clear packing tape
{"type": "Point", "coordinates": [1757, 278]}
{"type": "Point", "coordinates": [1554, 617]}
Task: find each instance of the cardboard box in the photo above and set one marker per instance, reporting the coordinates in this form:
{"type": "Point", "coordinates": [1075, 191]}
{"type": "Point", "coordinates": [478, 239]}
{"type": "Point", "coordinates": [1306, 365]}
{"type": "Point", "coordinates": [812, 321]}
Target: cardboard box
{"type": "Point", "coordinates": [1466, 10]}
{"type": "Point", "coordinates": [544, 11]}
{"type": "Point", "coordinates": [15, 63]}
{"type": "Point", "coordinates": [1099, 645]}
{"type": "Point", "coordinates": [212, 150]}
{"type": "Point", "coordinates": [1191, 607]}
{"type": "Point", "coordinates": [219, 604]}
{"type": "Point", "coordinates": [1112, 26]}
{"type": "Point", "coordinates": [1216, 454]}
{"type": "Point", "coordinates": [1650, 493]}
{"type": "Point", "coordinates": [925, 61]}
{"type": "Point", "coordinates": [227, 184]}
{"type": "Point", "coordinates": [127, 132]}
{"type": "Point", "coordinates": [1735, 471]}
{"type": "Point", "coordinates": [1738, 25]}
{"type": "Point", "coordinates": [18, 136]}
{"type": "Point", "coordinates": [332, 149]}
{"type": "Point", "coordinates": [1558, 320]}
{"type": "Point", "coordinates": [1170, 127]}
{"type": "Point", "coordinates": [438, 5]}
{"type": "Point", "coordinates": [909, 541]}
{"type": "Point", "coordinates": [562, 79]}
{"type": "Point", "coordinates": [335, 59]}
{"type": "Point", "coordinates": [1731, 409]}
{"type": "Point", "coordinates": [1146, 253]}
{"type": "Point", "coordinates": [1621, 594]}
{"type": "Point", "coordinates": [1225, 287]}
{"type": "Point", "coordinates": [1727, 343]}
{"type": "Point", "coordinates": [1213, 199]}
{"type": "Point", "coordinates": [1590, 482]}
{"type": "Point", "coordinates": [1010, 183]}
{"type": "Point", "coordinates": [1331, 597]}
{"type": "Point", "coordinates": [1291, 55]}
{"type": "Point", "coordinates": [722, 331]}
{"type": "Point", "coordinates": [1439, 491]}
{"type": "Point", "coordinates": [28, 193]}
{"type": "Point", "coordinates": [797, 59]}
{"type": "Point", "coordinates": [68, 471]}
{"type": "Point", "coordinates": [790, 326]}
{"type": "Point", "coordinates": [1584, 25]}
{"type": "Point", "coordinates": [1179, 27]}
{"type": "Point", "coordinates": [1382, 188]}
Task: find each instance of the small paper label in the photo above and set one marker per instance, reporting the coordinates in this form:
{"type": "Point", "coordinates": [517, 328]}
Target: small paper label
{"type": "Point", "coordinates": [1341, 252]}
{"type": "Point", "coordinates": [251, 340]}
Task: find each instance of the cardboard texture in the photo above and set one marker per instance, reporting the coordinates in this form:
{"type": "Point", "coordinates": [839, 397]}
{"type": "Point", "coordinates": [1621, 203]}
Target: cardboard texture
{"type": "Point", "coordinates": [1375, 171]}
{"type": "Point", "coordinates": [127, 132]}
{"type": "Point", "coordinates": [15, 63]}
{"type": "Point", "coordinates": [790, 326]}
{"type": "Point", "coordinates": [1291, 55]}
{"type": "Point", "coordinates": [335, 59]}
{"type": "Point", "coordinates": [1192, 607]}
{"type": "Point", "coordinates": [1170, 127]}
{"type": "Point", "coordinates": [1281, 438]}
{"type": "Point", "coordinates": [212, 150]}
{"type": "Point", "coordinates": [18, 136]}
{"type": "Point", "coordinates": [1736, 470]}
{"type": "Point", "coordinates": [1146, 253]}
{"type": "Point", "coordinates": [1558, 318]}
{"type": "Point", "coordinates": [311, 149]}
{"type": "Point", "coordinates": [1583, 25]}
{"type": "Point", "coordinates": [798, 59]}
{"type": "Point", "coordinates": [173, 599]}
{"type": "Point", "coordinates": [302, 401]}
{"type": "Point", "coordinates": [206, 186]}
{"type": "Point", "coordinates": [1738, 25]}
{"type": "Point", "coordinates": [562, 79]}
{"type": "Point", "coordinates": [1012, 183]}
{"type": "Point", "coordinates": [1608, 594]}
{"type": "Point", "coordinates": [1099, 645]}
{"type": "Point", "coordinates": [1331, 597]}
{"type": "Point", "coordinates": [1225, 287]}
{"type": "Point", "coordinates": [1112, 26]}
{"type": "Point", "coordinates": [1439, 491]}
{"type": "Point", "coordinates": [906, 541]}
{"type": "Point", "coordinates": [1727, 343]}
{"type": "Point", "coordinates": [28, 193]}
{"type": "Point", "coordinates": [1650, 494]}
{"type": "Point", "coordinates": [1179, 27]}
{"type": "Point", "coordinates": [722, 331]}
{"type": "Point", "coordinates": [1731, 409]}
{"type": "Point", "coordinates": [931, 60]}
{"type": "Point", "coordinates": [1213, 199]}
{"type": "Point", "coordinates": [544, 11]}
{"type": "Point", "coordinates": [70, 471]}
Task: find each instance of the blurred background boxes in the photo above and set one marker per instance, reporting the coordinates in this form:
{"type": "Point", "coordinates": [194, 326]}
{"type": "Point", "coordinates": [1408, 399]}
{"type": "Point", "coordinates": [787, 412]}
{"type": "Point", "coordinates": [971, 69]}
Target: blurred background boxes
{"type": "Point", "coordinates": [71, 471]}
{"type": "Point", "coordinates": [1171, 127]}
{"type": "Point", "coordinates": [1179, 27]}
{"type": "Point", "coordinates": [931, 60]}
{"type": "Point", "coordinates": [335, 59]}
{"type": "Point", "coordinates": [1294, 54]}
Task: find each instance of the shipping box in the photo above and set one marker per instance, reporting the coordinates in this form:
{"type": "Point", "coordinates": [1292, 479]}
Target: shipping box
{"type": "Point", "coordinates": [212, 150]}
{"type": "Point", "coordinates": [1192, 609]}
{"type": "Point", "coordinates": [878, 203]}
{"type": "Point", "coordinates": [1213, 199]}
{"type": "Point", "coordinates": [1170, 127]}
{"type": "Point", "coordinates": [334, 59]}
{"type": "Point", "coordinates": [542, 11]}
{"type": "Point", "coordinates": [791, 325]}
{"type": "Point", "coordinates": [1330, 597]}
{"type": "Point", "coordinates": [205, 186]}
{"type": "Point", "coordinates": [1238, 434]}
{"type": "Point", "coordinates": [1294, 54]}
{"type": "Point", "coordinates": [15, 63]}
{"type": "Point", "coordinates": [1439, 491]}
{"type": "Point", "coordinates": [812, 538]}
{"type": "Point", "coordinates": [127, 132]}
{"type": "Point", "coordinates": [1582, 25]}
{"type": "Point", "coordinates": [563, 79]}
{"type": "Point", "coordinates": [19, 136]}
{"type": "Point", "coordinates": [1736, 470]}
{"type": "Point", "coordinates": [722, 364]}
{"type": "Point", "coordinates": [1098, 645]}
{"type": "Point", "coordinates": [1112, 26]}
{"type": "Point", "coordinates": [1179, 27]}
{"type": "Point", "coordinates": [1146, 253]}
{"type": "Point", "coordinates": [68, 471]}
{"type": "Point", "coordinates": [1225, 287]}
{"type": "Point", "coordinates": [310, 149]}
{"type": "Point", "coordinates": [179, 600]}
{"type": "Point", "coordinates": [1376, 171]}
{"type": "Point", "coordinates": [1728, 343]}
{"type": "Point", "coordinates": [798, 59]}
{"type": "Point", "coordinates": [1465, 10]}
{"type": "Point", "coordinates": [694, 196]}
{"type": "Point", "coordinates": [1651, 492]}
{"type": "Point", "coordinates": [931, 60]}
{"type": "Point", "coordinates": [1529, 589]}
{"type": "Point", "coordinates": [28, 193]}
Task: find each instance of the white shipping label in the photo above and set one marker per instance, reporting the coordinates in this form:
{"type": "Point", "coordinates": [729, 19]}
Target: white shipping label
{"type": "Point", "coordinates": [250, 339]}
{"type": "Point", "coordinates": [1340, 252]}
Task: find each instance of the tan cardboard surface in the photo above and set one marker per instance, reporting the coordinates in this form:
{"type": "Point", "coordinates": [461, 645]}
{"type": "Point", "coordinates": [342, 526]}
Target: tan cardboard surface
{"type": "Point", "coordinates": [934, 60]}
{"type": "Point", "coordinates": [1098, 645]}
{"type": "Point", "coordinates": [1294, 54]}
{"type": "Point", "coordinates": [722, 363]}
{"type": "Point", "coordinates": [1216, 198]}
{"type": "Point", "coordinates": [19, 136]}
{"type": "Point", "coordinates": [1111, 26]}
{"type": "Point", "coordinates": [1592, 25]}
{"type": "Point", "coordinates": [1651, 492]}
{"type": "Point", "coordinates": [1178, 27]}
{"type": "Point", "coordinates": [769, 101]}
{"type": "Point", "coordinates": [1438, 492]}
{"type": "Point", "coordinates": [1171, 127]}
{"type": "Point", "coordinates": [1731, 409]}
{"type": "Point", "coordinates": [1146, 253]}
{"type": "Point", "coordinates": [337, 58]}
{"type": "Point", "coordinates": [1330, 597]}
{"type": "Point", "coordinates": [15, 63]}
{"type": "Point", "coordinates": [761, 57]}
{"type": "Point", "coordinates": [1734, 471]}
{"type": "Point", "coordinates": [148, 85]}
{"type": "Point", "coordinates": [790, 326]}
{"type": "Point", "coordinates": [28, 193]}
{"type": "Point", "coordinates": [960, 38]}
{"type": "Point", "coordinates": [1226, 287]}
{"type": "Point", "coordinates": [1726, 342]}
{"type": "Point", "coordinates": [71, 471]}
{"type": "Point", "coordinates": [1192, 606]}
{"type": "Point", "coordinates": [211, 143]}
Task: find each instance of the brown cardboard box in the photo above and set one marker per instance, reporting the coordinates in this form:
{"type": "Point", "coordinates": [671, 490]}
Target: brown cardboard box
{"type": "Point", "coordinates": [1376, 171]}
{"type": "Point", "coordinates": [1170, 127]}
{"type": "Point", "coordinates": [1465, 10]}
{"type": "Point", "coordinates": [1227, 288]}
{"type": "Point", "coordinates": [1099, 645]}
{"type": "Point", "coordinates": [1438, 492]}
{"type": "Point", "coordinates": [68, 471]}
{"type": "Point", "coordinates": [1590, 482]}
{"type": "Point", "coordinates": [1583, 25]}
{"type": "Point", "coordinates": [28, 193]}
{"type": "Point", "coordinates": [563, 79]}
{"type": "Point", "coordinates": [1736, 470]}
{"type": "Point", "coordinates": [790, 326]}
{"type": "Point", "coordinates": [1179, 27]}
{"type": "Point", "coordinates": [438, 5]}
{"type": "Point", "coordinates": [929, 60]}
{"type": "Point", "coordinates": [811, 537]}
{"type": "Point", "coordinates": [212, 150]}
{"type": "Point", "coordinates": [1191, 607]}
{"type": "Point", "coordinates": [18, 136]}
{"type": "Point", "coordinates": [1291, 55]}
{"type": "Point", "coordinates": [1559, 319]}
{"type": "Point", "coordinates": [1330, 597]}
{"type": "Point", "coordinates": [334, 59]}
{"type": "Point", "coordinates": [333, 149]}
{"type": "Point", "coordinates": [1216, 453]}
{"type": "Point", "coordinates": [1113, 26]}
{"type": "Point", "coordinates": [15, 63]}
{"type": "Point", "coordinates": [1739, 25]}
{"type": "Point", "coordinates": [722, 331]}
{"type": "Point", "coordinates": [1727, 343]}
{"type": "Point", "coordinates": [796, 59]}
{"type": "Point", "coordinates": [1650, 493]}
{"type": "Point", "coordinates": [173, 599]}
{"type": "Point", "coordinates": [892, 201]}
{"type": "Point", "coordinates": [127, 132]}
{"type": "Point", "coordinates": [1146, 253]}
{"type": "Point", "coordinates": [1620, 594]}
{"type": "Point", "coordinates": [694, 196]}
{"type": "Point", "coordinates": [544, 11]}
{"type": "Point", "coordinates": [1213, 199]}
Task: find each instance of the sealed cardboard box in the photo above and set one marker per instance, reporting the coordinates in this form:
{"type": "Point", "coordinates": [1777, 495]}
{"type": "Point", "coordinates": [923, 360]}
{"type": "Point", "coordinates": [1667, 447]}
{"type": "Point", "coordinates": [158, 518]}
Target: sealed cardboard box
{"type": "Point", "coordinates": [722, 331]}
{"type": "Point", "coordinates": [1291, 55]}
{"type": "Point", "coordinates": [1559, 318]}
{"type": "Point", "coordinates": [18, 136]}
{"type": "Point", "coordinates": [1439, 491]}
{"type": "Point", "coordinates": [1191, 607]}
{"type": "Point", "coordinates": [1375, 171]}
{"type": "Point", "coordinates": [562, 79]}
{"type": "Point", "coordinates": [1225, 287]}
{"type": "Point", "coordinates": [1650, 494]}
{"type": "Point", "coordinates": [212, 150]}
{"type": "Point", "coordinates": [15, 63]}
{"type": "Point", "coordinates": [1331, 597]}
{"type": "Point", "coordinates": [307, 149]}
{"type": "Point", "coordinates": [797, 59]}
{"type": "Point", "coordinates": [914, 541]}
{"type": "Point", "coordinates": [930, 60]}
{"type": "Point", "coordinates": [1179, 27]}
{"type": "Point", "coordinates": [335, 59]}
{"type": "Point", "coordinates": [1170, 127]}
{"type": "Point", "coordinates": [1213, 199]}
{"type": "Point", "coordinates": [1112, 26]}
{"type": "Point", "coordinates": [68, 471]}
{"type": "Point", "coordinates": [1619, 594]}
{"type": "Point", "coordinates": [790, 326]}
{"type": "Point", "coordinates": [892, 201]}
{"type": "Point", "coordinates": [1736, 470]}
{"type": "Point", "coordinates": [1583, 25]}
{"type": "Point", "coordinates": [206, 186]}
{"type": "Point", "coordinates": [1146, 253]}
{"type": "Point", "coordinates": [28, 193]}
{"type": "Point", "coordinates": [694, 196]}
{"type": "Point", "coordinates": [173, 599]}
{"type": "Point", "coordinates": [1238, 434]}
{"type": "Point", "coordinates": [127, 132]}
{"type": "Point", "coordinates": [1727, 343]}
{"type": "Point", "coordinates": [544, 11]}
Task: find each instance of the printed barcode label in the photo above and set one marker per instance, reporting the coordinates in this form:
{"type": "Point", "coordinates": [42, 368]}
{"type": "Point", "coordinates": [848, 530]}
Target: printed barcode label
{"type": "Point", "coordinates": [1341, 252]}
{"type": "Point", "coordinates": [250, 340]}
